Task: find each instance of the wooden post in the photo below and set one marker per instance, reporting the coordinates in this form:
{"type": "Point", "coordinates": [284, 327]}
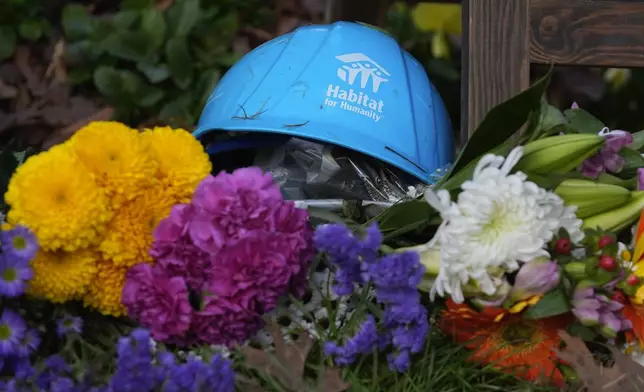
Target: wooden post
{"type": "Point", "coordinates": [495, 56]}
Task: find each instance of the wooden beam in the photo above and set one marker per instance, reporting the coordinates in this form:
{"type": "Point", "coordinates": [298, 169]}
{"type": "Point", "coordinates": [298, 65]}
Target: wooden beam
{"type": "Point", "coordinates": [592, 33]}
{"type": "Point", "coordinates": [495, 56]}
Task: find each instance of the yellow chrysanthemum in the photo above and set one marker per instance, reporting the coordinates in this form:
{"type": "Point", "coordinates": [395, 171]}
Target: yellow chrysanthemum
{"type": "Point", "coordinates": [115, 153]}
{"type": "Point", "coordinates": [104, 293]}
{"type": "Point", "coordinates": [129, 235]}
{"type": "Point", "coordinates": [60, 201]}
{"type": "Point", "coordinates": [62, 276]}
{"type": "Point", "coordinates": [183, 162]}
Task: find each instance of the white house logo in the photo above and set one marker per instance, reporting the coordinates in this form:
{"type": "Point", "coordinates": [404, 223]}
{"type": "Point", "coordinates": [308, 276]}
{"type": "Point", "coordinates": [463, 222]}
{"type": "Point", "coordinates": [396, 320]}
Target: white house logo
{"type": "Point", "coordinates": [362, 73]}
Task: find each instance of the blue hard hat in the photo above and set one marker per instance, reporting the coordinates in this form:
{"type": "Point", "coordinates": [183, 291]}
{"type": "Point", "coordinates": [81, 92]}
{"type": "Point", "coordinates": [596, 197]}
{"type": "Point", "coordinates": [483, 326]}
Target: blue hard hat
{"type": "Point", "coordinates": [345, 84]}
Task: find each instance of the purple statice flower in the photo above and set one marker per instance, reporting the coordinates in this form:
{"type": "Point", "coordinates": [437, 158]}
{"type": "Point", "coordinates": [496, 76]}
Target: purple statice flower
{"type": "Point", "coordinates": [395, 277]}
{"type": "Point", "coordinates": [23, 369]}
{"type": "Point", "coordinates": [593, 309]}
{"type": "Point", "coordinates": [346, 251]}
{"type": "Point", "coordinates": [608, 158]}
{"type": "Point", "coordinates": [535, 277]}
{"type": "Point", "coordinates": [196, 375]}
{"type": "Point", "coordinates": [14, 275]}
{"type": "Point", "coordinates": [55, 368]}
{"type": "Point", "coordinates": [29, 343]}
{"type": "Point", "coordinates": [12, 331]}
{"type": "Point", "coordinates": [69, 324]}
{"type": "Point", "coordinates": [12, 385]}
{"type": "Point", "coordinates": [640, 179]}
{"type": "Point", "coordinates": [135, 371]}
{"type": "Point", "coordinates": [138, 369]}
{"type": "Point", "coordinates": [62, 384]}
{"type": "Point", "coordinates": [19, 242]}
{"type": "Point", "coordinates": [364, 341]}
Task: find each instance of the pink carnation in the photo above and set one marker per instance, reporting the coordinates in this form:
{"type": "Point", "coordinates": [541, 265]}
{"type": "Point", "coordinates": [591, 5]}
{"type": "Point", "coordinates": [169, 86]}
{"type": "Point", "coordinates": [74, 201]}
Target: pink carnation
{"type": "Point", "coordinates": [223, 321]}
{"type": "Point", "coordinates": [238, 246]}
{"type": "Point", "coordinates": [293, 225]}
{"type": "Point", "coordinates": [185, 260]}
{"type": "Point", "coordinates": [158, 302]}
{"type": "Point", "coordinates": [170, 229]}
{"type": "Point", "coordinates": [228, 204]}
{"type": "Point", "coordinates": [253, 271]}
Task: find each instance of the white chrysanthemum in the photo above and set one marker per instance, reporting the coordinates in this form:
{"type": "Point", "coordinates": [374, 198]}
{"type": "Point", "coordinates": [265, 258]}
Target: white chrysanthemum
{"type": "Point", "coordinates": [498, 221]}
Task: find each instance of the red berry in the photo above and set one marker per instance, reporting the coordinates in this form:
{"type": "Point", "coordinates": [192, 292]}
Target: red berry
{"type": "Point", "coordinates": [619, 297]}
{"type": "Point", "coordinates": [563, 246]}
{"type": "Point", "coordinates": [607, 263]}
{"type": "Point", "coordinates": [632, 280]}
{"type": "Point", "coordinates": [604, 241]}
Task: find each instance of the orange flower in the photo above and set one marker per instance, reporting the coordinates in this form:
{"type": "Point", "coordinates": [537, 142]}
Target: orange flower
{"type": "Point", "coordinates": [635, 314]}
{"type": "Point", "coordinates": [509, 342]}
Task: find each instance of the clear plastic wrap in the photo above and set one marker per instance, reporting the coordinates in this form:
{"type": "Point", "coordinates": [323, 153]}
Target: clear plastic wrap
{"type": "Point", "coordinates": [321, 175]}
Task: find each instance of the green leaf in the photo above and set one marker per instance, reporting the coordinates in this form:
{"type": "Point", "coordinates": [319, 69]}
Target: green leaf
{"type": "Point", "coordinates": [632, 158]}
{"type": "Point", "coordinates": [125, 88]}
{"type": "Point", "coordinates": [177, 111]}
{"type": "Point", "coordinates": [179, 61]}
{"type": "Point", "coordinates": [547, 182]}
{"type": "Point", "coordinates": [79, 52]}
{"type": "Point", "coordinates": [108, 82]}
{"type": "Point", "coordinates": [7, 42]}
{"type": "Point", "coordinates": [583, 122]}
{"type": "Point", "coordinates": [638, 140]}
{"type": "Point", "coordinates": [606, 178]}
{"type": "Point", "coordinates": [76, 22]}
{"type": "Point", "coordinates": [582, 332]}
{"type": "Point", "coordinates": [403, 214]}
{"type": "Point", "coordinates": [455, 181]}
{"type": "Point", "coordinates": [148, 96]}
{"type": "Point", "coordinates": [30, 29]}
{"type": "Point", "coordinates": [500, 123]}
{"type": "Point", "coordinates": [79, 75]}
{"type": "Point", "coordinates": [182, 16]}
{"type": "Point", "coordinates": [552, 304]}
{"type": "Point", "coordinates": [124, 20]}
{"type": "Point", "coordinates": [229, 59]}
{"type": "Point", "coordinates": [551, 117]}
{"type": "Point", "coordinates": [153, 24]}
{"type": "Point", "coordinates": [128, 45]}
{"type": "Point", "coordinates": [443, 69]}
{"type": "Point", "coordinates": [207, 82]}
{"type": "Point", "coordinates": [8, 164]}
{"type": "Point", "coordinates": [155, 73]}
{"type": "Point", "coordinates": [137, 4]}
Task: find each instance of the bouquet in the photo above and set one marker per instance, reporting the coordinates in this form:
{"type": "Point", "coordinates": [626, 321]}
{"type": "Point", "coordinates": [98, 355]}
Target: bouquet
{"type": "Point", "coordinates": [127, 266]}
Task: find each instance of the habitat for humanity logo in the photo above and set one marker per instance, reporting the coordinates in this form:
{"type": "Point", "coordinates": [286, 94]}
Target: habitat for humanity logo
{"type": "Point", "coordinates": [362, 73]}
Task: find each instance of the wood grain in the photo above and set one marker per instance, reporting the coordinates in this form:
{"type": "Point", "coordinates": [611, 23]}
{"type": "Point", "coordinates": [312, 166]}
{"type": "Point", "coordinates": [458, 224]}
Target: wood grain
{"type": "Point", "coordinates": [495, 56]}
{"type": "Point", "coordinates": [587, 32]}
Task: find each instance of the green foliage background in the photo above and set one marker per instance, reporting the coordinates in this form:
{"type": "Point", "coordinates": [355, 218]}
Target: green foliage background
{"type": "Point", "coordinates": [149, 62]}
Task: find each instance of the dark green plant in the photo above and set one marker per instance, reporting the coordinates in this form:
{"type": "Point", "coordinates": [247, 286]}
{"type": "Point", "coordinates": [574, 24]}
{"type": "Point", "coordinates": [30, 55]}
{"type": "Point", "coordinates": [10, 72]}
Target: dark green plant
{"type": "Point", "coordinates": [444, 72]}
{"type": "Point", "coordinates": [149, 63]}
{"type": "Point", "coordinates": [20, 19]}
